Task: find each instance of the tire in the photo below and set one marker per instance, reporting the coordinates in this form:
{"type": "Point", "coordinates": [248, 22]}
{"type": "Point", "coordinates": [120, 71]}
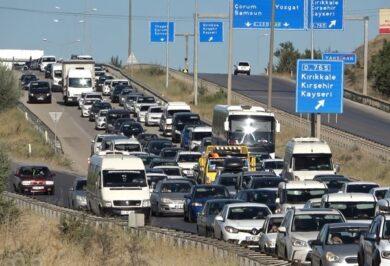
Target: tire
{"type": "Point", "coordinates": [376, 260]}
{"type": "Point", "coordinates": [248, 73]}
{"type": "Point", "coordinates": [197, 231]}
{"type": "Point", "coordinates": [185, 217]}
{"type": "Point", "coordinates": [360, 259]}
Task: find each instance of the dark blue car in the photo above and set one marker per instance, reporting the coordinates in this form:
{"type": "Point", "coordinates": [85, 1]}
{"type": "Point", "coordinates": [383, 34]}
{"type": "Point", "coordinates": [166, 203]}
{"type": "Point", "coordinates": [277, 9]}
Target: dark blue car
{"type": "Point", "coordinates": [198, 196]}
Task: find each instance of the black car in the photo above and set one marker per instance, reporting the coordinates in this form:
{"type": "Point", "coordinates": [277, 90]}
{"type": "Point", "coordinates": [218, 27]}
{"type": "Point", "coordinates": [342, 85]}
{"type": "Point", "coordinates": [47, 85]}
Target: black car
{"type": "Point", "coordinates": [39, 91]}
{"type": "Point", "coordinates": [266, 196]}
{"type": "Point", "coordinates": [155, 146]}
{"type": "Point", "coordinates": [144, 138]}
{"type": "Point", "coordinates": [48, 70]}
{"type": "Point", "coordinates": [265, 182]}
{"type": "Point", "coordinates": [169, 152]}
{"type": "Point", "coordinates": [333, 182]}
{"type": "Point", "coordinates": [119, 122]}
{"type": "Point", "coordinates": [162, 162]}
{"type": "Point", "coordinates": [96, 107]}
{"type": "Point", "coordinates": [180, 120]}
{"type": "Point", "coordinates": [247, 176]}
{"type": "Point", "coordinates": [117, 91]}
{"type": "Point", "coordinates": [132, 129]}
{"type": "Point", "coordinates": [113, 115]}
{"type": "Point", "coordinates": [147, 158]}
{"type": "Point", "coordinates": [26, 79]}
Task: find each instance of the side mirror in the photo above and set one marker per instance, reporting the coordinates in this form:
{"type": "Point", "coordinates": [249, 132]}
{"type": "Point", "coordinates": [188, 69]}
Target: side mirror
{"type": "Point", "coordinates": [277, 200]}
{"type": "Point", "coordinates": [371, 237]}
{"type": "Point", "coordinates": [226, 125]}
{"type": "Point", "coordinates": [277, 127]}
{"type": "Point", "coordinates": [282, 229]}
{"type": "Point", "coordinates": [315, 242]}
{"type": "Point", "coordinates": [337, 168]}
{"type": "Point", "coordinates": [92, 141]}
{"type": "Point", "coordinates": [219, 218]}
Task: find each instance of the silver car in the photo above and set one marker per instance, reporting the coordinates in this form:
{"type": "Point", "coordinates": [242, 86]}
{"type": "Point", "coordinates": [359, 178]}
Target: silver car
{"type": "Point", "coordinates": [101, 120]}
{"type": "Point", "coordinates": [168, 197]}
{"type": "Point", "coordinates": [269, 232]}
{"type": "Point", "coordinates": [77, 194]}
{"type": "Point", "coordinates": [337, 244]}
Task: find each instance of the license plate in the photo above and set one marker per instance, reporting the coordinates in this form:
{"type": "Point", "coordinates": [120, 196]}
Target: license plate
{"type": "Point", "coordinates": [179, 206]}
{"type": "Point", "coordinates": [252, 238]}
{"type": "Point", "coordinates": [125, 212]}
{"type": "Point", "coordinates": [40, 98]}
{"type": "Point", "coordinates": [38, 188]}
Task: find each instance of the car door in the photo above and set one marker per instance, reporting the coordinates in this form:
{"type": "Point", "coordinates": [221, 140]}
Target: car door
{"type": "Point", "coordinates": [369, 244]}
{"type": "Point", "coordinates": [154, 197]}
{"type": "Point", "coordinates": [202, 219]}
{"type": "Point", "coordinates": [317, 250]}
{"type": "Point", "coordinates": [282, 237]}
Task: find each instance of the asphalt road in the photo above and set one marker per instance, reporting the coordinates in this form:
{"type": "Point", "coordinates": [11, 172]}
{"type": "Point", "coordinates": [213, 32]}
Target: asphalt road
{"type": "Point", "coordinates": [358, 119]}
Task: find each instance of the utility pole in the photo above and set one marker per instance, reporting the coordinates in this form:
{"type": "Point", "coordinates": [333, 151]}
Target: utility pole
{"type": "Point", "coordinates": [167, 47]}
{"type": "Point", "coordinates": [130, 28]}
{"type": "Point", "coordinates": [271, 57]}
{"type": "Point", "coordinates": [196, 34]}
{"type": "Point", "coordinates": [230, 54]}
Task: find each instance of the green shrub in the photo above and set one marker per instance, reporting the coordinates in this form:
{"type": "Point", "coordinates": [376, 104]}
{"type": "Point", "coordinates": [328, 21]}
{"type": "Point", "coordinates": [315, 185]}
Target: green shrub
{"type": "Point", "coordinates": [8, 212]}
{"type": "Point", "coordinates": [9, 88]}
{"type": "Point", "coordinates": [76, 231]}
{"type": "Point", "coordinates": [4, 168]}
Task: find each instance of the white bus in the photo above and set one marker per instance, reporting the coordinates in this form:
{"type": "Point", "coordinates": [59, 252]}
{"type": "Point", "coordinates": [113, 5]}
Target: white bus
{"type": "Point", "coordinates": [246, 125]}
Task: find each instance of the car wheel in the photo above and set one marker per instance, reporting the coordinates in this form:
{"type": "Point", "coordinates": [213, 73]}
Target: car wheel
{"type": "Point", "coordinates": [285, 254]}
{"type": "Point", "coordinates": [185, 216]}
{"type": "Point", "coordinates": [376, 260]}
{"type": "Point", "coordinates": [360, 259]}
{"type": "Point", "coordinates": [197, 231]}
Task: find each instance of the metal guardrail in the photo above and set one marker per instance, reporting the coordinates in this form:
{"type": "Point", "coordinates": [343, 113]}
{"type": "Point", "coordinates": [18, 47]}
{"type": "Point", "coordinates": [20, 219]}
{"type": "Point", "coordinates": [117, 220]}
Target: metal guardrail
{"type": "Point", "coordinates": [218, 248]}
{"type": "Point", "coordinates": [41, 127]}
{"type": "Point", "coordinates": [367, 100]}
{"type": "Point", "coordinates": [333, 136]}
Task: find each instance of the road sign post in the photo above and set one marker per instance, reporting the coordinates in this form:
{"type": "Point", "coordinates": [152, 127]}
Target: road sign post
{"type": "Point", "coordinates": [55, 116]}
{"type": "Point", "coordinates": [211, 31]}
{"type": "Point", "coordinates": [320, 85]}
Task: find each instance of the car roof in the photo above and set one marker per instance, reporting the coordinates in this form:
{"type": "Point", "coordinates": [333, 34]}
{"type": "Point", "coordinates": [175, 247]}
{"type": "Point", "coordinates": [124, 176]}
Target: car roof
{"type": "Point", "coordinates": [361, 183]}
{"type": "Point", "coordinates": [348, 225]}
{"type": "Point", "coordinates": [316, 211]}
{"type": "Point", "coordinates": [303, 184]}
{"type": "Point", "coordinates": [348, 197]}
{"type": "Point", "coordinates": [188, 152]}
{"type": "Point", "coordinates": [254, 173]}
{"type": "Point", "coordinates": [260, 189]}
{"type": "Point", "coordinates": [247, 204]}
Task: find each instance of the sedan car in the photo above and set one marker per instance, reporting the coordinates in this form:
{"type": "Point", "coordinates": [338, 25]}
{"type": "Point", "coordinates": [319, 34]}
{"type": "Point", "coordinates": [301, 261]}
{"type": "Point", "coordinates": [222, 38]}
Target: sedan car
{"type": "Point", "coordinates": [86, 106]}
{"type": "Point", "coordinates": [77, 197]}
{"type": "Point", "coordinates": [96, 107]}
{"type": "Point", "coordinates": [33, 179]}
{"type": "Point", "coordinates": [337, 244]}
{"type": "Point", "coordinates": [132, 129]}
{"type": "Point", "coordinates": [358, 187]}
{"type": "Point", "coordinates": [268, 233]}
{"type": "Point", "coordinates": [144, 138]}
{"type": "Point", "coordinates": [265, 196]}
{"type": "Point", "coordinates": [153, 115]}
{"type": "Point", "coordinates": [240, 223]}
{"type": "Point", "coordinates": [101, 119]}
{"type": "Point", "coordinates": [171, 171]}
{"type": "Point", "coordinates": [168, 197]}
{"type": "Point", "coordinates": [205, 221]}
{"type": "Point", "coordinates": [229, 180]}
{"type": "Point", "coordinates": [155, 146]}
{"type": "Point", "coordinates": [195, 200]}
{"type": "Point", "coordinates": [333, 182]}
{"type": "Point", "coordinates": [39, 91]}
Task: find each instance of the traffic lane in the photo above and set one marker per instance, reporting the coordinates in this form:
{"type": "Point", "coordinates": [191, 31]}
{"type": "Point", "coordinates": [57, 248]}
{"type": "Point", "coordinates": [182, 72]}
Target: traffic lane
{"type": "Point", "coordinates": [173, 222]}
{"type": "Point", "coordinates": [360, 120]}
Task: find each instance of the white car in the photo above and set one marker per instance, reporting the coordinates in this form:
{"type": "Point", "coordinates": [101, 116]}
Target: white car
{"type": "Point", "coordinates": [241, 223]}
{"type": "Point", "coordinates": [313, 203]}
{"type": "Point", "coordinates": [142, 109]}
{"type": "Point", "coordinates": [379, 192]}
{"type": "Point", "coordinates": [101, 120]}
{"type": "Point", "coordinates": [242, 68]}
{"type": "Point", "coordinates": [187, 160]}
{"type": "Point", "coordinates": [106, 88]}
{"type": "Point", "coordinates": [89, 96]}
{"type": "Point", "coordinates": [358, 187]}
{"type": "Point", "coordinates": [269, 232]}
{"type": "Point", "coordinates": [153, 115]}
{"type": "Point", "coordinates": [86, 107]}
{"type": "Point", "coordinates": [300, 226]}
{"type": "Point", "coordinates": [97, 141]}
{"type": "Point", "coordinates": [273, 164]}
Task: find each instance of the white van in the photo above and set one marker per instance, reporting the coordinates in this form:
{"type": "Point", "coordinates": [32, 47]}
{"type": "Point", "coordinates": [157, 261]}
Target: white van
{"type": "Point", "coordinates": [297, 193]}
{"type": "Point", "coordinates": [57, 76]}
{"type": "Point", "coordinates": [305, 158]}
{"type": "Point", "coordinates": [45, 60]}
{"type": "Point", "coordinates": [356, 207]}
{"type": "Point", "coordinates": [169, 110]}
{"type": "Point", "coordinates": [117, 184]}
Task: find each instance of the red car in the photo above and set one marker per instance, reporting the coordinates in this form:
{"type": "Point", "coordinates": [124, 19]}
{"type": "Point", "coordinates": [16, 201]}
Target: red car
{"type": "Point", "coordinates": [33, 179]}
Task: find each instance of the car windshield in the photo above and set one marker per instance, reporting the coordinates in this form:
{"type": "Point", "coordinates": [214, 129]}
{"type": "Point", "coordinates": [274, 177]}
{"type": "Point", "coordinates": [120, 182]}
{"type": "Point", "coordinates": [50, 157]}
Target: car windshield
{"type": "Point", "coordinates": [80, 82]}
{"type": "Point", "coordinates": [301, 196]}
{"type": "Point", "coordinates": [188, 158]}
{"type": "Point", "coordinates": [176, 188]}
{"type": "Point", "coordinates": [172, 112]}
{"type": "Point", "coordinates": [210, 192]}
{"type": "Point", "coordinates": [114, 116]}
{"type": "Point", "coordinates": [200, 135]}
{"type": "Point", "coordinates": [128, 147]}
{"type": "Point", "coordinates": [354, 210]}
{"type": "Point", "coordinates": [34, 172]}
{"type": "Point", "coordinates": [248, 213]}
{"type": "Point", "coordinates": [313, 222]}
{"type": "Point", "coordinates": [360, 188]}
{"type": "Point", "coordinates": [58, 73]}
{"type": "Point", "coordinates": [264, 196]}
{"type": "Point", "coordinates": [146, 100]}
{"type": "Point", "coordinates": [156, 110]}
{"type": "Point", "coordinates": [39, 85]}
{"type": "Point", "coordinates": [274, 224]}
{"type": "Point", "coordinates": [154, 179]}
{"type": "Point", "coordinates": [48, 59]}
{"type": "Point", "coordinates": [81, 185]}
{"type": "Point", "coordinates": [125, 178]}
{"type": "Point", "coordinates": [103, 112]}
{"type": "Point", "coordinates": [40, 90]}
{"type": "Point", "coordinates": [344, 235]}
{"type": "Point", "coordinates": [161, 144]}
{"type": "Point", "coordinates": [228, 181]}
{"type": "Point", "coordinates": [213, 165]}
{"type": "Point", "coordinates": [335, 184]}
{"type": "Point", "coordinates": [168, 153]}
{"type": "Point", "coordinates": [243, 64]}
{"type": "Point", "coordinates": [380, 194]}
{"type": "Point", "coordinates": [266, 182]}
{"type": "Point", "coordinates": [313, 162]}
{"type": "Point", "coordinates": [182, 120]}
{"type": "Point", "coordinates": [273, 165]}
{"type": "Point", "coordinates": [93, 96]}
{"type": "Point", "coordinates": [104, 105]}
{"type": "Point", "coordinates": [216, 207]}
{"type": "Point", "coordinates": [144, 108]}
{"type": "Point", "coordinates": [251, 130]}
{"type": "Point", "coordinates": [172, 171]}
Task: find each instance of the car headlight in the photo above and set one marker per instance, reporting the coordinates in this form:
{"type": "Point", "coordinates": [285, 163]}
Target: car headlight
{"type": "Point", "coordinates": [47, 94]}
{"type": "Point", "coordinates": [80, 198]}
{"type": "Point", "coordinates": [331, 257]}
{"type": "Point", "coordinates": [49, 182]}
{"type": "Point", "coordinates": [298, 243]}
{"type": "Point", "coordinates": [26, 183]}
{"type": "Point", "coordinates": [385, 254]}
{"type": "Point", "coordinates": [232, 230]}
{"type": "Point", "coordinates": [196, 204]}
{"type": "Point", "coordinates": [146, 203]}
{"type": "Point", "coordinates": [165, 200]}
{"type": "Point", "coordinates": [107, 204]}
{"type": "Point", "coordinates": [32, 94]}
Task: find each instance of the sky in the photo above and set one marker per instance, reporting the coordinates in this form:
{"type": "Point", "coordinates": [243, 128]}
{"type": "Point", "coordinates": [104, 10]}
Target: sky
{"type": "Point", "coordinates": [100, 28]}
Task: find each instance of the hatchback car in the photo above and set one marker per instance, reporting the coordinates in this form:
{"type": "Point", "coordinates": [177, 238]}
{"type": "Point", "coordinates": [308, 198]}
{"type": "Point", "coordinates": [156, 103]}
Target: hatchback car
{"type": "Point", "coordinates": [155, 146]}
{"type": "Point", "coordinates": [77, 194]}
{"type": "Point", "coordinates": [39, 91]}
{"type": "Point", "coordinates": [33, 179]}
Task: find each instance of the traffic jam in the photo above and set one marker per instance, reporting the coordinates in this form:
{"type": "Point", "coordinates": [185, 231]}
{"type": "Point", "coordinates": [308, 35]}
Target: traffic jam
{"type": "Point", "coordinates": [160, 159]}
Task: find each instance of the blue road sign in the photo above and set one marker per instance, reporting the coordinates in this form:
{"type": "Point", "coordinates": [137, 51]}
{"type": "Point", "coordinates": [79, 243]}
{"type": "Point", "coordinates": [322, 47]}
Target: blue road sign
{"type": "Point", "coordinates": [320, 85]}
{"type": "Point", "coordinates": [256, 14]}
{"type": "Point", "coordinates": [347, 58]}
{"type": "Point", "coordinates": [158, 31]}
{"type": "Point", "coordinates": [211, 31]}
{"type": "Point", "coordinates": [328, 14]}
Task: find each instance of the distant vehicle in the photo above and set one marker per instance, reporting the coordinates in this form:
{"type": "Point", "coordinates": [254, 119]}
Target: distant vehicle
{"type": "Point", "coordinates": [96, 142]}
{"type": "Point", "coordinates": [45, 60]}
{"type": "Point", "coordinates": [169, 110]}
{"type": "Point", "coordinates": [252, 126]}
{"type": "Point", "coordinates": [57, 77]}
{"type": "Point", "coordinates": [106, 87]}
{"type": "Point", "coordinates": [112, 116]}
{"type": "Point", "coordinates": [77, 197]}
{"type": "Point", "coordinates": [144, 138]}
{"type": "Point", "coordinates": [117, 184]}
{"type": "Point", "coordinates": [101, 119]}
{"type": "Point", "coordinates": [48, 70]}
{"type": "Point", "coordinates": [155, 146]}
{"type": "Point", "coordinates": [123, 95]}
{"type": "Point", "coordinates": [229, 180]}
{"type": "Point", "coordinates": [116, 82]}
{"type": "Point", "coordinates": [172, 171]}
{"type": "Point", "coordinates": [158, 161]}
{"type": "Point", "coordinates": [305, 158]}
{"type": "Point", "coordinates": [179, 120]}
{"type": "Point", "coordinates": [333, 182]}
{"type": "Point", "coordinates": [187, 161]}
{"type": "Point", "coordinates": [142, 100]}
{"type": "Point", "coordinates": [153, 179]}
{"type": "Point", "coordinates": [96, 107]}
{"type": "Point", "coordinates": [153, 115]}
{"type": "Point", "coordinates": [147, 158]}
{"type": "Point", "coordinates": [196, 199]}
{"type": "Point", "coordinates": [205, 221]}
{"type": "Point", "coordinates": [86, 107]}
{"type": "Point", "coordinates": [241, 223]}
{"type": "Point", "coordinates": [169, 152]}
{"type": "Point", "coordinates": [121, 145]}
{"type": "Point", "coordinates": [247, 176]}
{"type": "Point", "coordinates": [358, 187]}
{"type": "Point", "coordinates": [116, 91]}
{"type": "Point", "coordinates": [39, 91]}
{"type": "Point", "coordinates": [89, 96]}
{"type": "Point", "coordinates": [379, 192]}
{"type": "Point", "coordinates": [168, 197]}
{"type": "Point", "coordinates": [338, 244]}
{"type": "Point", "coordinates": [242, 68]}
{"type": "Point", "coordinates": [268, 233]}
{"type": "Point", "coordinates": [265, 196]}
{"type": "Point", "coordinates": [265, 182]}
{"type": "Point", "coordinates": [27, 79]}
{"type": "Point", "coordinates": [116, 129]}
{"type": "Point", "coordinates": [130, 99]}
{"type": "Point", "coordinates": [313, 203]}
{"type": "Point", "coordinates": [196, 134]}
{"type": "Point", "coordinates": [33, 179]}
{"type": "Point", "coordinates": [298, 228]}
{"type": "Point", "coordinates": [131, 129]}
{"type": "Point", "coordinates": [275, 165]}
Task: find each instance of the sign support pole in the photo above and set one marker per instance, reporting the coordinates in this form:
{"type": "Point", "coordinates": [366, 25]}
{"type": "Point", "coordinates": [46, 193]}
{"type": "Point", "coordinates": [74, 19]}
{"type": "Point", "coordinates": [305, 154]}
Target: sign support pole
{"type": "Point", "coordinates": [365, 81]}
{"type": "Point", "coordinates": [230, 54]}
{"type": "Point", "coordinates": [271, 57]}
{"type": "Point", "coordinates": [196, 35]}
{"type": "Point", "coordinates": [167, 48]}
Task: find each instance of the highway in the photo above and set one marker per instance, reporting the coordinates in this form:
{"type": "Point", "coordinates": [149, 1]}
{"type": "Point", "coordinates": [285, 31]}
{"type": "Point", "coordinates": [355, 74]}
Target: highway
{"type": "Point", "coordinates": [358, 119]}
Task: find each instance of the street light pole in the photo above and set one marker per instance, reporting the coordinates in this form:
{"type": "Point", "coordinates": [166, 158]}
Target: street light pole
{"type": "Point", "coordinates": [130, 29]}
{"type": "Point", "coordinates": [365, 79]}
{"type": "Point", "coordinates": [167, 48]}
{"type": "Point", "coordinates": [271, 57]}
{"type": "Point", "coordinates": [230, 54]}
{"type": "Point", "coordinates": [196, 34]}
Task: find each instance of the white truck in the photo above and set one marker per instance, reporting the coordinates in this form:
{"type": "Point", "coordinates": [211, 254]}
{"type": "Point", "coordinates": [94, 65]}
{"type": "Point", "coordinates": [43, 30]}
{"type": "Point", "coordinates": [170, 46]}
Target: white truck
{"type": "Point", "coordinates": [78, 76]}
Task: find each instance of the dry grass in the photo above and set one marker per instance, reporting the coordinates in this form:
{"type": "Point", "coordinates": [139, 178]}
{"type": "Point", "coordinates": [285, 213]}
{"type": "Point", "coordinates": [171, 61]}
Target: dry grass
{"type": "Point", "coordinates": [34, 240]}
{"type": "Point", "coordinates": [353, 162]}
{"type": "Point", "coordinates": [16, 133]}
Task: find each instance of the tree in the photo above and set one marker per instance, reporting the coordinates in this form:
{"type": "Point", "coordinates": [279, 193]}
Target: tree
{"type": "Point", "coordinates": [115, 61]}
{"type": "Point", "coordinates": [287, 57]}
{"type": "Point", "coordinates": [9, 88]}
{"type": "Point", "coordinates": [379, 70]}
{"type": "Point", "coordinates": [307, 54]}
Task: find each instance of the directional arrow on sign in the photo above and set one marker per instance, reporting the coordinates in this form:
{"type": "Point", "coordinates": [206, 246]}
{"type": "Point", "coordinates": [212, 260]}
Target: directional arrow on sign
{"type": "Point", "coordinates": [162, 39]}
{"type": "Point", "coordinates": [211, 39]}
{"type": "Point", "coordinates": [286, 24]}
{"type": "Point", "coordinates": [248, 24]}
{"type": "Point", "coordinates": [332, 24]}
{"type": "Point", "coordinates": [321, 103]}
